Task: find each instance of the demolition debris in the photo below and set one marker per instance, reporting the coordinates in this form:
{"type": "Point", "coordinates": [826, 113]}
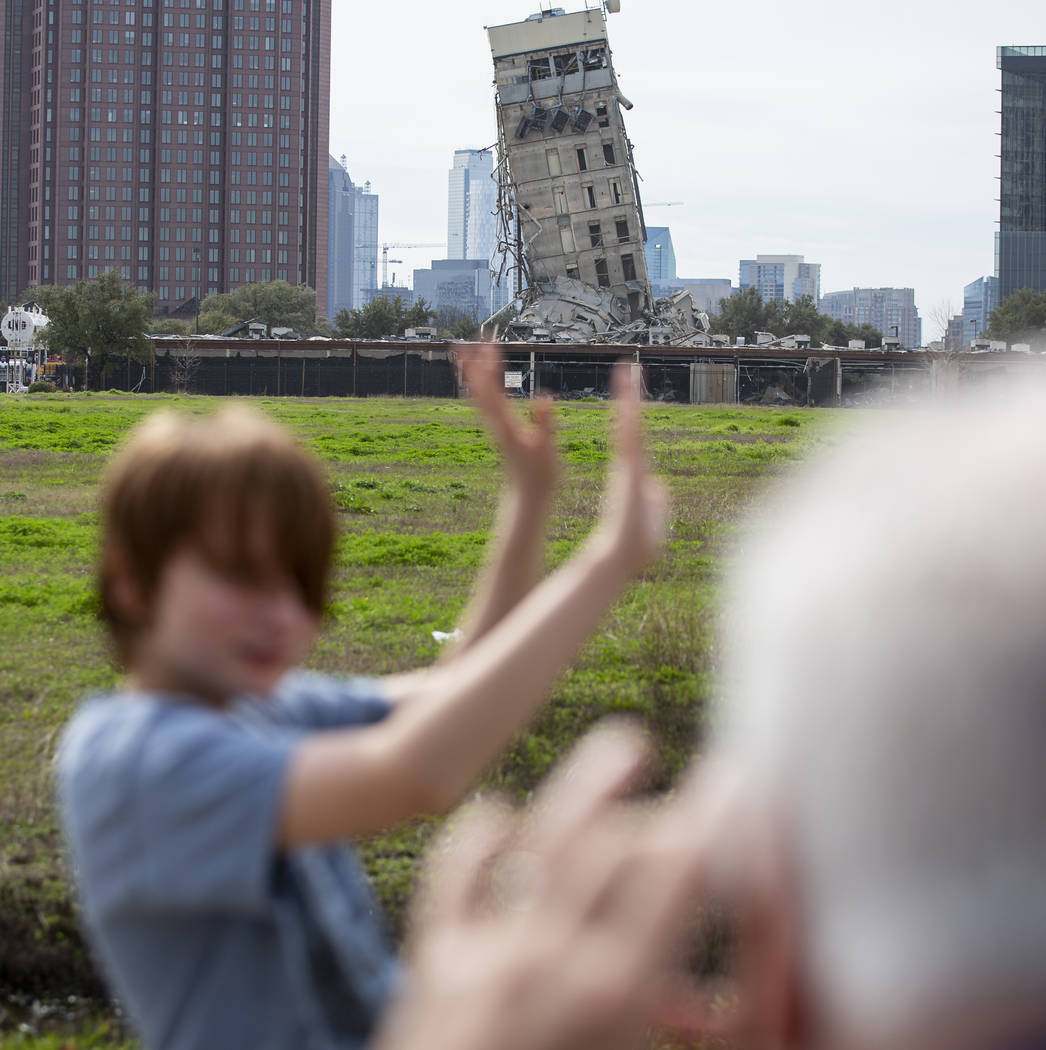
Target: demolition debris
{"type": "Point", "coordinates": [569, 210]}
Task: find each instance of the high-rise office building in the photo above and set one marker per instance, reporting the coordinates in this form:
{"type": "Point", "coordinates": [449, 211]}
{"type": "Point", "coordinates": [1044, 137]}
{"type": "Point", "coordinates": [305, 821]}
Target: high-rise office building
{"type": "Point", "coordinates": [784, 278]}
{"type": "Point", "coordinates": [365, 247]}
{"type": "Point", "coordinates": [891, 310]}
{"type": "Point", "coordinates": [979, 298]}
{"type": "Point", "coordinates": [455, 287]}
{"type": "Point", "coordinates": [471, 204]}
{"type": "Point", "coordinates": [660, 255]}
{"type": "Point", "coordinates": [472, 225]}
{"type": "Point", "coordinates": [341, 237]}
{"type": "Point", "coordinates": [184, 147]}
{"type": "Point", "coordinates": [352, 240]}
{"type": "Point", "coordinates": [1020, 243]}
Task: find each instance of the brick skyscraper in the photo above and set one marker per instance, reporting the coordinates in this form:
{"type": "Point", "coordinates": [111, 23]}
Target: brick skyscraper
{"type": "Point", "coordinates": [181, 142]}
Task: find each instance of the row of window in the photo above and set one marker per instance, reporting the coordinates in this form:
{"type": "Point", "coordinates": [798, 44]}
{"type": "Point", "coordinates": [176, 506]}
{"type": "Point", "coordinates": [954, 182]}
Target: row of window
{"type": "Point", "coordinates": [286, 6]}
{"type": "Point", "coordinates": [628, 271]}
{"type": "Point", "coordinates": [127, 37]}
{"type": "Point", "coordinates": [185, 57]}
{"type": "Point", "coordinates": [555, 162]}
{"type": "Point", "coordinates": [98, 17]}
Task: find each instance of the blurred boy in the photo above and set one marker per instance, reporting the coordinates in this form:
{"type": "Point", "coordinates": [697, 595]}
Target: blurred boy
{"type": "Point", "coordinates": [205, 800]}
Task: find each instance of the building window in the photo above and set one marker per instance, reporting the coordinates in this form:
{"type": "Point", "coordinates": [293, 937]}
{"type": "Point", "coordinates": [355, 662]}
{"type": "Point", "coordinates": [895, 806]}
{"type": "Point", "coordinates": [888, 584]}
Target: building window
{"type": "Point", "coordinates": [582, 159]}
{"type": "Point", "coordinates": [608, 153]}
{"type": "Point", "coordinates": [628, 267]}
{"type": "Point", "coordinates": [602, 274]}
{"type": "Point", "coordinates": [622, 230]}
{"type": "Point", "coordinates": [595, 234]}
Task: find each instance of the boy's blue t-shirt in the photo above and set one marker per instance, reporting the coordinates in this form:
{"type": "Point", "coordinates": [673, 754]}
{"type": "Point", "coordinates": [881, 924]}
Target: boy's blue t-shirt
{"type": "Point", "coordinates": [210, 936]}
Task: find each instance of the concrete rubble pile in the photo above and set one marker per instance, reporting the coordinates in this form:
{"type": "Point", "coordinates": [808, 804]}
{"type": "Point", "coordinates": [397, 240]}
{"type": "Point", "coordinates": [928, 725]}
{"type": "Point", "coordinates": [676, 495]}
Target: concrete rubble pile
{"type": "Point", "coordinates": [569, 311]}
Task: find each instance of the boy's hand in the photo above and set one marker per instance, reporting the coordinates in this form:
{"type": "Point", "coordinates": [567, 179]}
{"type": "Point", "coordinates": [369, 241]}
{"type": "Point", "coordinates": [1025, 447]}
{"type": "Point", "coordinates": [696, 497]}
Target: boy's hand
{"type": "Point", "coordinates": [529, 451]}
{"type": "Point", "coordinates": [636, 505]}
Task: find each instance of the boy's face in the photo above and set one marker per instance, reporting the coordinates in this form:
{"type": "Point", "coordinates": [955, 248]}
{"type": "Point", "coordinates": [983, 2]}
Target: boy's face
{"type": "Point", "coordinates": [211, 636]}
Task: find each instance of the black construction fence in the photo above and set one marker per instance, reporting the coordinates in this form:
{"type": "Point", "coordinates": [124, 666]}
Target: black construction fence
{"type": "Point", "coordinates": [307, 368]}
{"type": "Point", "coordinates": [287, 371]}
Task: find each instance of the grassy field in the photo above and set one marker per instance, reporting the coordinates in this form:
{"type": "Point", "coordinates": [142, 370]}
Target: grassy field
{"type": "Point", "coordinates": [416, 484]}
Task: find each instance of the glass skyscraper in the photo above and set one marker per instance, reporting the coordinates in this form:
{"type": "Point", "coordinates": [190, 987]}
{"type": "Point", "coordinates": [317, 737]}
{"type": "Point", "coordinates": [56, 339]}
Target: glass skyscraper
{"type": "Point", "coordinates": [1020, 244]}
{"type": "Point", "coordinates": [471, 203]}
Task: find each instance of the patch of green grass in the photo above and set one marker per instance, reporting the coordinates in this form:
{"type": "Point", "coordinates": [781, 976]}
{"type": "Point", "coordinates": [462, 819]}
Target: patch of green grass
{"type": "Point", "coordinates": [432, 548]}
{"type": "Point", "coordinates": [416, 485]}
{"type": "Point", "coordinates": [25, 538]}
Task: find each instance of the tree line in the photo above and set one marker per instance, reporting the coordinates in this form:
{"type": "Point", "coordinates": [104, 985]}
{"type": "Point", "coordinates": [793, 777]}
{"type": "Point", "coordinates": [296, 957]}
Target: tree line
{"type": "Point", "coordinates": [746, 313]}
{"type": "Point", "coordinates": [94, 322]}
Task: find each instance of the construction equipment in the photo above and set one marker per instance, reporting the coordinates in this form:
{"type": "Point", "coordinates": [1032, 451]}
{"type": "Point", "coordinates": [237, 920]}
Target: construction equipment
{"type": "Point", "coordinates": [385, 260]}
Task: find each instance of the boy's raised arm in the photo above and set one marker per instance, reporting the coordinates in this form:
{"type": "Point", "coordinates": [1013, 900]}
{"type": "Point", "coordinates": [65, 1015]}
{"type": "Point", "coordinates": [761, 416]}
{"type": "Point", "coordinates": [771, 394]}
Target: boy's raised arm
{"type": "Point", "coordinates": [462, 712]}
{"type": "Point", "coordinates": [515, 561]}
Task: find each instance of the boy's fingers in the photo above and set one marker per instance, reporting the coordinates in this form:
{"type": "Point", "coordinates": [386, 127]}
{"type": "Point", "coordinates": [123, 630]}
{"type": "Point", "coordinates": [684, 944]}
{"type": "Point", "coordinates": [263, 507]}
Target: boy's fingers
{"type": "Point", "coordinates": [544, 417]}
{"type": "Point", "coordinates": [479, 371]}
{"type": "Point", "coordinates": [627, 440]}
{"type": "Point", "coordinates": [456, 870]}
{"type": "Point", "coordinates": [482, 371]}
{"type": "Point", "coordinates": [624, 380]}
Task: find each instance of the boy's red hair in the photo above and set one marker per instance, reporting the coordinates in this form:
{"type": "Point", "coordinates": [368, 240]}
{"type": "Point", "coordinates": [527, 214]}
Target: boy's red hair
{"type": "Point", "coordinates": [235, 487]}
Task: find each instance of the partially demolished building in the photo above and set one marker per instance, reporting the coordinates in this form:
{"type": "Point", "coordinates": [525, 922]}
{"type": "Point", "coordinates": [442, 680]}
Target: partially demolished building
{"type": "Point", "coordinates": [569, 204]}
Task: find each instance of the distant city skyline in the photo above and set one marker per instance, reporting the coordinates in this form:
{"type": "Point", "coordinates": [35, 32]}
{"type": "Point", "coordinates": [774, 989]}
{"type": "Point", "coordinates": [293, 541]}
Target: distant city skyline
{"type": "Point", "coordinates": [891, 182]}
{"type": "Point", "coordinates": [891, 310]}
{"type": "Point", "coordinates": [781, 278]}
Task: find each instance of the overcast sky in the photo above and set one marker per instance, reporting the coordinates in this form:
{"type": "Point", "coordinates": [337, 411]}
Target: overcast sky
{"type": "Point", "coordinates": [862, 137]}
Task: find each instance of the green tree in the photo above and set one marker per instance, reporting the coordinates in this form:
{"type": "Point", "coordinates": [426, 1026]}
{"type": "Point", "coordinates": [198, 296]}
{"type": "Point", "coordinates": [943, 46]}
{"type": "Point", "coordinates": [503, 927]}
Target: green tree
{"type": "Point", "coordinates": [745, 313]}
{"type": "Point", "coordinates": [169, 326]}
{"type": "Point", "coordinates": [836, 333]}
{"type": "Point", "coordinates": [419, 315]}
{"type": "Point", "coordinates": [96, 321]}
{"type": "Point", "coordinates": [741, 315]}
{"type": "Point", "coordinates": [277, 303]}
{"type": "Point", "coordinates": [216, 318]}
{"type": "Point", "coordinates": [868, 332]}
{"type": "Point", "coordinates": [1018, 315]}
{"type": "Point", "coordinates": [465, 329]}
{"type": "Point", "coordinates": [381, 319]}
{"type": "Point", "coordinates": [803, 318]}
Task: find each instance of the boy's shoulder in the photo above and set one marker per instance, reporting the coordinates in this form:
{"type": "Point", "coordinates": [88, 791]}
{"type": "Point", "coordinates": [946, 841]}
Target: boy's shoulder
{"type": "Point", "coordinates": [114, 732]}
{"type": "Point", "coordinates": [310, 700]}
{"type": "Point", "coordinates": [121, 732]}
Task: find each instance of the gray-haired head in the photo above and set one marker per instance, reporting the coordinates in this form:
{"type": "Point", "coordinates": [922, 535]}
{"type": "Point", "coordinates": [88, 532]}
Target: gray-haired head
{"type": "Point", "coordinates": [886, 691]}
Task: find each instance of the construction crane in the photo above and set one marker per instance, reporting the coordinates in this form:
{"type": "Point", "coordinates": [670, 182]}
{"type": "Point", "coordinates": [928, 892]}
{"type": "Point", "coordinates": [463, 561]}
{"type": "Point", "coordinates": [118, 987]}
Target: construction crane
{"type": "Point", "coordinates": [385, 260]}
